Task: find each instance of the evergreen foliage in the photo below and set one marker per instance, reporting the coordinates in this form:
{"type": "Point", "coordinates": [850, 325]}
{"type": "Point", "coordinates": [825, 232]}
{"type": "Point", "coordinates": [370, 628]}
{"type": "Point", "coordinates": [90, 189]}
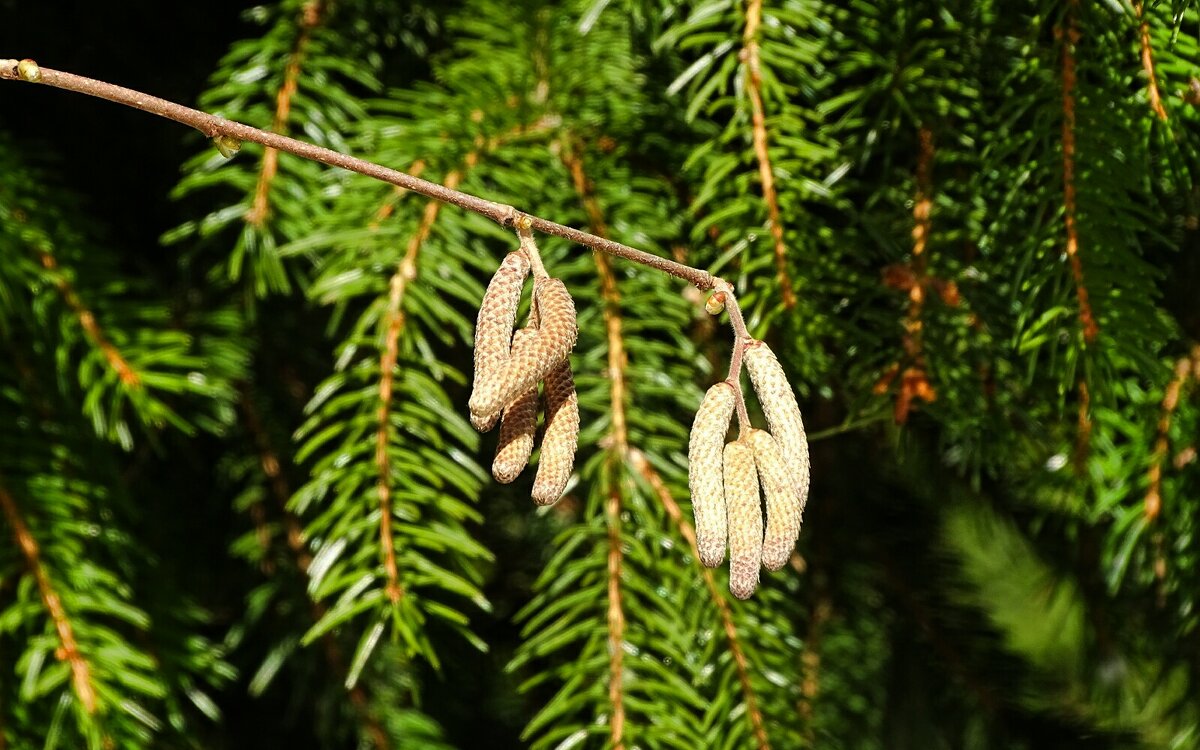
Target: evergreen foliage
{"type": "Point", "coordinates": [967, 228]}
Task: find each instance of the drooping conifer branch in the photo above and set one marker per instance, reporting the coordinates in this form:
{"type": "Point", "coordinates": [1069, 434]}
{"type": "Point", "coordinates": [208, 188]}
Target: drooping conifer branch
{"type": "Point", "coordinates": [81, 676]}
{"type": "Point", "coordinates": [753, 714]}
{"type": "Point", "coordinates": [87, 321]}
{"type": "Point", "coordinates": [1185, 368]}
{"type": "Point", "coordinates": [753, 63]}
{"type": "Point", "coordinates": [1070, 37]}
{"type": "Point", "coordinates": [394, 325]}
{"type": "Point", "coordinates": [213, 126]}
{"type": "Point", "coordinates": [1148, 61]}
{"type": "Point", "coordinates": [311, 15]}
{"type": "Point", "coordinates": [618, 438]}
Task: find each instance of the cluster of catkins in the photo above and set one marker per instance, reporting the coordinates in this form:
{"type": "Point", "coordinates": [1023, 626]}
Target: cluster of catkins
{"type": "Point", "coordinates": [725, 478]}
{"type": "Point", "coordinates": [508, 369]}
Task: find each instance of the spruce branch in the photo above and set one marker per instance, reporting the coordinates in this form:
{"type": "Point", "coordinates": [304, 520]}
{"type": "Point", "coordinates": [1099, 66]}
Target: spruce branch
{"type": "Point", "coordinates": [618, 444]}
{"type": "Point", "coordinates": [213, 127]}
{"type": "Point", "coordinates": [1185, 368]}
{"type": "Point", "coordinates": [87, 321]}
{"type": "Point", "coordinates": [1148, 61]}
{"type": "Point", "coordinates": [81, 678]}
{"type": "Point", "coordinates": [642, 465]}
{"type": "Point", "coordinates": [1070, 37]}
{"type": "Point", "coordinates": [617, 358]}
{"type": "Point", "coordinates": [753, 62]}
{"type": "Point", "coordinates": [311, 16]}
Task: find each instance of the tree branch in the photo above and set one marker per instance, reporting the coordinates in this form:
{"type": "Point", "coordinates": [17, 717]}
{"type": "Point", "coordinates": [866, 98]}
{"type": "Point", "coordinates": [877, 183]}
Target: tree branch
{"type": "Point", "coordinates": [766, 171]}
{"type": "Point", "coordinates": [81, 676]}
{"type": "Point", "coordinates": [310, 17]}
{"type": "Point", "coordinates": [1070, 36]}
{"type": "Point", "coordinates": [1148, 61]}
{"type": "Point", "coordinates": [213, 126]}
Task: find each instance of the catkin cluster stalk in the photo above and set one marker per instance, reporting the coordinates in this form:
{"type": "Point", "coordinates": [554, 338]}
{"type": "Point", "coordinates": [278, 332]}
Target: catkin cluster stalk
{"type": "Point", "coordinates": [509, 368]}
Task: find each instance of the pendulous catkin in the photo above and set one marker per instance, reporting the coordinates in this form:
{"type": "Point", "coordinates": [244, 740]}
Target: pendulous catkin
{"type": "Point", "coordinates": [783, 504]}
{"type": "Point", "coordinates": [517, 428]}
{"type": "Point", "coordinates": [559, 441]}
{"type": "Point", "coordinates": [494, 331]}
{"type": "Point", "coordinates": [534, 358]}
{"type": "Point", "coordinates": [745, 521]}
{"type": "Point", "coordinates": [705, 446]}
{"type": "Point", "coordinates": [782, 412]}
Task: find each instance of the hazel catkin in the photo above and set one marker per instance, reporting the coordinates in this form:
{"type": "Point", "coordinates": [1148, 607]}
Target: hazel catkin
{"type": "Point", "coordinates": [517, 427]}
{"type": "Point", "coordinates": [534, 358]}
{"type": "Point", "coordinates": [494, 333]}
{"type": "Point", "coordinates": [744, 517]}
{"type": "Point", "coordinates": [557, 459]}
{"type": "Point", "coordinates": [782, 500]}
{"type": "Point", "coordinates": [782, 412]}
{"type": "Point", "coordinates": [705, 446]}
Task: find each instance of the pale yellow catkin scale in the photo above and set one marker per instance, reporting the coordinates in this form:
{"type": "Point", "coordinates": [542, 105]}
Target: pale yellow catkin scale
{"type": "Point", "coordinates": [535, 358]}
{"type": "Point", "coordinates": [705, 446]}
{"type": "Point", "coordinates": [517, 428]}
{"type": "Point", "coordinates": [782, 412]}
{"type": "Point", "coordinates": [494, 332]}
{"type": "Point", "coordinates": [744, 514]}
{"type": "Point", "coordinates": [557, 459]}
{"type": "Point", "coordinates": [783, 504]}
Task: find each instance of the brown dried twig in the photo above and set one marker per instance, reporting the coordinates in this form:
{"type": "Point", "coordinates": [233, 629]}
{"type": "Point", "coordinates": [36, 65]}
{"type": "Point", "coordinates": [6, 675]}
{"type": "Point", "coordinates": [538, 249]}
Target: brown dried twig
{"type": "Point", "coordinates": [218, 127]}
{"type": "Point", "coordinates": [81, 676]}
{"type": "Point", "coordinates": [1148, 61]}
{"type": "Point", "coordinates": [758, 120]}
{"type": "Point", "coordinates": [1070, 38]}
{"type": "Point", "coordinates": [311, 16]}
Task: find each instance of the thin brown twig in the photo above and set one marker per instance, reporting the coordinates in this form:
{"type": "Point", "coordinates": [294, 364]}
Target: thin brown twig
{"type": "Point", "coordinates": [750, 56]}
{"type": "Point", "coordinates": [310, 16]}
{"type": "Point", "coordinates": [726, 300]}
{"type": "Point", "coordinates": [87, 321]}
{"type": "Point", "coordinates": [1070, 39]}
{"type": "Point", "coordinates": [1185, 367]}
{"type": "Point", "coordinates": [619, 443]}
{"type": "Point", "coordinates": [81, 677]}
{"type": "Point", "coordinates": [1148, 62]}
{"type": "Point", "coordinates": [616, 621]}
{"type": "Point", "coordinates": [213, 126]}
{"type": "Point", "coordinates": [383, 464]}
{"type": "Point", "coordinates": [395, 319]}
{"type": "Point", "coordinates": [642, 465]}
{"type": "Point", "coordinates": [406, 272]}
